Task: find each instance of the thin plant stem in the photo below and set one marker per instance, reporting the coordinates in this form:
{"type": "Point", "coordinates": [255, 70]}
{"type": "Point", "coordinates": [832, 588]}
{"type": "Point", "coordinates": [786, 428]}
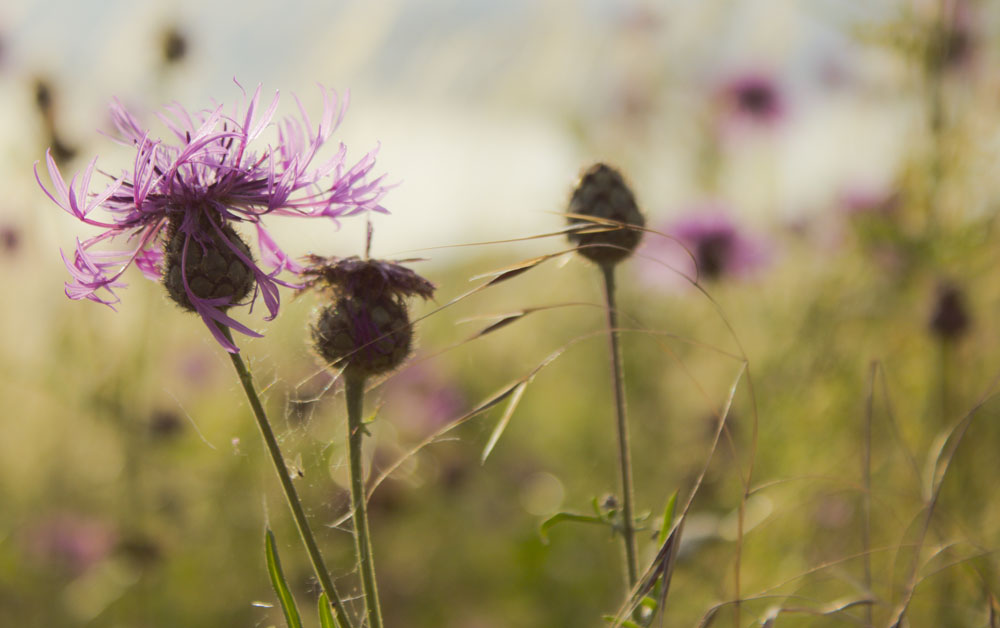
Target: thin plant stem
{"type": "Point", "coordinates": [624, 456]}
{"type": "Point", "coordinates": [944, 379]}
{"type": "Point", "coordinates": [354, 391]}
{"type": "Point", "coordinates": [866, 496]}
{"type": "Point", "coordinates": [305, 533]}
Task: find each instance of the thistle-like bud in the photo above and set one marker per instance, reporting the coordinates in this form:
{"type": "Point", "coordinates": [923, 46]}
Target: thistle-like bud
{"type": "Point", "coordinates": [212, 267]}
{"type": "Point", "coordinates": [368, 337]}
{"type": "Point", "coordinates": [950, 319]}
{"type": "Point", "coordinates": [602, 193]}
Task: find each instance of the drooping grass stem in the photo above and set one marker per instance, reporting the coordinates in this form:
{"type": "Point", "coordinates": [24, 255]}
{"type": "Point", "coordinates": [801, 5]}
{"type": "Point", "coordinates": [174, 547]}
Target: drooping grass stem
{"type": "Point", "coordinates": [354, 390]}
{"type": "Point", "coordinates": [624, 455]}
{"type": "Point", "coordinates": [319, 567]}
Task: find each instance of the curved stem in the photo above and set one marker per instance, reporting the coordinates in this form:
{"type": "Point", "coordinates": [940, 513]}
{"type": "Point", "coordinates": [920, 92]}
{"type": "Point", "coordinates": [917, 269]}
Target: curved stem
{"type": "Point", "coordinates": [624, 456]}
{"type": "Point", "coordinates": [319, 567]}
{"type": "Point", "coordinates": [354, 390]}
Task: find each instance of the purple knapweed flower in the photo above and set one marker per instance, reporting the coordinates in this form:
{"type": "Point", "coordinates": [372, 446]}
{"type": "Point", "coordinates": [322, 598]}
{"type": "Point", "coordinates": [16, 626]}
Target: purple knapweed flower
{"type": "Point", "coordinates": [177, 205]}
{"type": "Point", "coordinates": [705, 244]}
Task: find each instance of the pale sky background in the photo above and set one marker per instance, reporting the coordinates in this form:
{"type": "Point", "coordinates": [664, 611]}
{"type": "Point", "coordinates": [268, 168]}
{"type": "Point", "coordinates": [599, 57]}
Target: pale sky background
{"type": "Point", "coordinates": [486, 110]}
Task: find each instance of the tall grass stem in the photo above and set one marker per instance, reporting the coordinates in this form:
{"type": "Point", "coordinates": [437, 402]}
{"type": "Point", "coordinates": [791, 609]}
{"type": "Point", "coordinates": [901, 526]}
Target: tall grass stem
{"type": "Point", "coordinates": [305, 532]}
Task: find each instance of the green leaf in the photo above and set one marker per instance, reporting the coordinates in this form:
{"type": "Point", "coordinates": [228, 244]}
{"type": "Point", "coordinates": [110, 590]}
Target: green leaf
{"type": "Point", "coordinates": [560, 517]}
{"type": "Point", "coordinates": [649, 603]}
{"type": "Point", "coordinates": [278, 582]}
{"type": "Point", "coordinates": [668, 519]}
{"type": "Point", "coordinates": [326, 618]}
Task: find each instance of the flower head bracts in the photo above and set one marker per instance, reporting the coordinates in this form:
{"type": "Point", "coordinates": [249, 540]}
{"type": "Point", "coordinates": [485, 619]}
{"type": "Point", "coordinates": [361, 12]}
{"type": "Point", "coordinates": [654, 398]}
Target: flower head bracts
{"type": "Point", "coordinates": [193, 189]}
{"type": "Point", "coordinates": [353, 277]}
{"type": "Point", "coordinates": [365, 328]}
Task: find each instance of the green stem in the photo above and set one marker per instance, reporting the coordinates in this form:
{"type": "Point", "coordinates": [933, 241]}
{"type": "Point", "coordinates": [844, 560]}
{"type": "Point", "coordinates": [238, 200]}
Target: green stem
{"type": "Point", "coordinates": [319, 567]}
{"type": "Point", "coordinates": [354, 390]}
{"type": "Point", "coordinates": [624, 456]}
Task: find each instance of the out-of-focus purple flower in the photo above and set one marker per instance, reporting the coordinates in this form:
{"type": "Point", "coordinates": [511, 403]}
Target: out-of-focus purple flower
{"type": "Point", "coordinates": [70, 541]}
{"type": "Point", "coordinates": [422, 400]}
{"type": "Point", "coordinates": [705, 244]}
{"type": "Point", "coordinates": [751, 99]}
{"type": "Point", "coordinates": [869, 200]}
{"type": "Point", "coordinates": [176, 206]}
{"type": "Point", "coordinates": [10, 239]}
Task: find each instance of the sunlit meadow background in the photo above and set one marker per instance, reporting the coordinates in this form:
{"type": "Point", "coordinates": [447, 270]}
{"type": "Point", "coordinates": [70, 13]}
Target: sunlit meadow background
{"type": "Point", "coordinates": [850, 159]}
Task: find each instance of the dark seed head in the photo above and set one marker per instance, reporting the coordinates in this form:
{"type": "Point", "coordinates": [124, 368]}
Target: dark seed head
{"type": "Point", "coordinates": [212, 267]}
{"type": "Point", "coordinates": [43, 95]}
{"type": "Point", "coordinates": [174, 46]}
{"type": "Point", "coordinates": [368, 337]}
{"type": "Point", "coordinates": [950, 319]}
{"type": "Point", "coordinates": [712, 254]}
{"type": "Point", "coordinates": [602, 193]}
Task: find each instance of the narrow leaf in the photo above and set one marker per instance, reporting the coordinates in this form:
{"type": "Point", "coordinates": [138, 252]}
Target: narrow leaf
{"type": "Point", "coordinates": [504, 420]}
{"type": "Point", "coordinates": [514, 270]}
{"type": "Point", "coordinates": [326, 618]}
{"type": "Point", "coordinates": [278, 582]}
{"type": "Point", "coordinates": [561, 517]}
{"type": "Point", "coordinates": [668, 519]}
{"type": "Point", "coordinates": [500, 324]}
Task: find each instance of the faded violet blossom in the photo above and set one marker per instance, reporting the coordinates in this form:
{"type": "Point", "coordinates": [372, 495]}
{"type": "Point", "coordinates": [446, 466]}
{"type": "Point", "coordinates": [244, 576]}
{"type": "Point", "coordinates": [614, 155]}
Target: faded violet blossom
{"type": "Point", "coordinates": [175, 208]}
{"type": "Point", "coordinates": [703, 245]}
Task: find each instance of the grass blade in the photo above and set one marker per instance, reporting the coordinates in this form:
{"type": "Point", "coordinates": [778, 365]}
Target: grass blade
{"type": "Point", "coordinates": [326, 618]}
{"type": "Point", "coordinates": [278, 582]}
{"type": "Point", "coordinates": [504, 420]}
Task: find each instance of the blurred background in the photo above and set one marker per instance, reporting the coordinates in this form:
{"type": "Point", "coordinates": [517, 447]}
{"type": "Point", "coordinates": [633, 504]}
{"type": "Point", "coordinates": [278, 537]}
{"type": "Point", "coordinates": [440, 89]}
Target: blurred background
{"type": "Point", "coordinates": [829, 165]}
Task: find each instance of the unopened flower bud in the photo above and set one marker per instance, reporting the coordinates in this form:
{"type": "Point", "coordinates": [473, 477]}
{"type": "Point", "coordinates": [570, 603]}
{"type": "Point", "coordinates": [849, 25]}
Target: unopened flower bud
{"type": "Point", "coordinates": [950, 319]}
{"type": "Point", "coordinates": [211, 266]}
{"type": "Point", "coordinates": [602, 193]}
{"type": "Point", "coordinates": [368, 337]}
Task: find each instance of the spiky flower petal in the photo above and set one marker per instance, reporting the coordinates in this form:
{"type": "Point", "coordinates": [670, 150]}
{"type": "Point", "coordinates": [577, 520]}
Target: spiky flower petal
{"type": "Point", "coordinates": [188, 193]}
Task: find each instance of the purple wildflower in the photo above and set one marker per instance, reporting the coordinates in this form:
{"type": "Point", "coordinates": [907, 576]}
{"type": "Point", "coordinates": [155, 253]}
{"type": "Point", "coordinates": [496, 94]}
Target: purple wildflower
{"type": "Point", "coordinates": [870, 199]}
{"type": "Point", "coordinates": [705, 244]}
{"type": "Point", "coordinates": [70, 541]}
{"type": "Point", "coordinates": [177, 203]}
